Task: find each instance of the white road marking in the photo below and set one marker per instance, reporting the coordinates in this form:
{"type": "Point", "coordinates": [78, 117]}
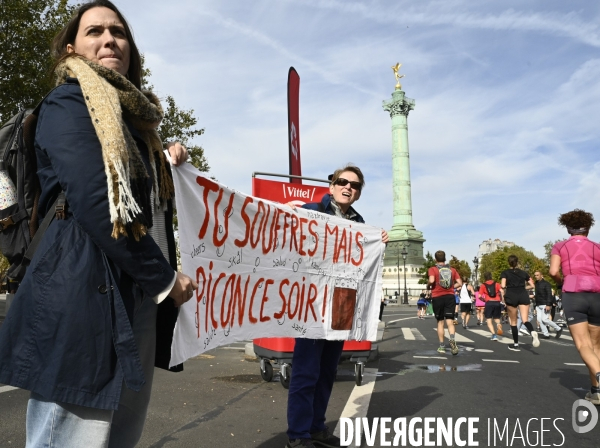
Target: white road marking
{"type": "Point", "coordinates": [501, 360]}
{"type": "Point", "coordinates": [408, 335]}
{"type": "Point", "coordinates": [484, 350]}
{"type": "Point", "coordinates": [488, 335]}
{"type": "Point", "coordinates": [7, 389]}
{"type": "Point", "coordinates": [457, 337]}
{"type": "Point", "coordinates": [574, 364]}
{"type": "Point", "coordinates": [358, 402]}
{"type": "Point", "coordinates": [431, 357]}
{"type": "Point", "coordinates": [404, 318]}
{"type": "Point", "coordinates": [417, 334]}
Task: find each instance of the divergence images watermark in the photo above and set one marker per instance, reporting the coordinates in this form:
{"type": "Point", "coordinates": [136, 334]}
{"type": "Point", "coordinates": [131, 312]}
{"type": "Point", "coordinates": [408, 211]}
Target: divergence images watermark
{"type": "Point", "coordinates": [584, 416]}
{"type": "Point", "coordinates": [463, 431]}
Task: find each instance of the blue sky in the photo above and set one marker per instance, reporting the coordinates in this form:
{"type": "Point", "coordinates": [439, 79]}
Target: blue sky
{"type": "Point", "coordinates": [503, 137]}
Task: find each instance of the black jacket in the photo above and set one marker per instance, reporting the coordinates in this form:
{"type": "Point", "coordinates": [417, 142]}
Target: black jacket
{"type": "Point", "coordinates": [68, 335]}
{"type": "Point", "coordinates": [543, 293]}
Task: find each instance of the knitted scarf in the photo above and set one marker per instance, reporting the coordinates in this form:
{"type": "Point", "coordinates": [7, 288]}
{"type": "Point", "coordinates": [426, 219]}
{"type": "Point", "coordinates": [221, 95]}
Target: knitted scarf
{"type": "Point", "coordinates": [111, 99]}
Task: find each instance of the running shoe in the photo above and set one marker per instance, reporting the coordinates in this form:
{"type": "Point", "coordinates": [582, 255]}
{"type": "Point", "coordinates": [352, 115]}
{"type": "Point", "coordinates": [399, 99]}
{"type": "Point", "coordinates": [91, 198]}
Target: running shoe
{"type": "Point", "coordinates": [558, 333]}
{"type": "Point", "coordinates": [593, 398]}
{"type": "Point", "coordinates": [441, 349]}
{"type": "Point", "coordinates": [455, 322]}
{"type": "Point", "coordinates": [514, 347]}
{"type": "Point", "coordinates": [453, 347]}
{"type": "Point", "coordinates": [325, 439]}
{"type": "Point", "coordinates": [494, 338]}
{"type": "Point", "coordinates": [499, 331]}
{"type": "Point", "coordinates": [466, 327]}
{"type": "Point", "coordinates": [536, 340]}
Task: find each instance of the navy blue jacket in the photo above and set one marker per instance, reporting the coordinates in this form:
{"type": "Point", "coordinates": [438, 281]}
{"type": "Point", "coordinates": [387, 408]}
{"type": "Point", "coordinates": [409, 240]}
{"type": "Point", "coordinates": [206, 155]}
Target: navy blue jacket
{"type": "Point", "coordinates": [68, 334]}
{"type": "Point", "coordinates": [326, 207]}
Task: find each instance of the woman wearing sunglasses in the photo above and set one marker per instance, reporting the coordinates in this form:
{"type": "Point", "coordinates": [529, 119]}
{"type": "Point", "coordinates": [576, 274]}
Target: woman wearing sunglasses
{"type": "Point", "coordinates": [315, 361]}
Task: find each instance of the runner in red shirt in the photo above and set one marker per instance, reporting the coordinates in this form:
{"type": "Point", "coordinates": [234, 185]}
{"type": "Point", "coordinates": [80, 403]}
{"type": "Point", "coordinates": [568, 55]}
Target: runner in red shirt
{"type": "Point", "coordinates": [490, 293]}
{"type": "Point", "coordinates": [442, 281]}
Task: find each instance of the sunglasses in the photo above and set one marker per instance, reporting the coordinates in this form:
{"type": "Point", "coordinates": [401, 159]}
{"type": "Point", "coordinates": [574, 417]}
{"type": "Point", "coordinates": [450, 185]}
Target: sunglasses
{"type": "Point", "coordinates": [343, 182]}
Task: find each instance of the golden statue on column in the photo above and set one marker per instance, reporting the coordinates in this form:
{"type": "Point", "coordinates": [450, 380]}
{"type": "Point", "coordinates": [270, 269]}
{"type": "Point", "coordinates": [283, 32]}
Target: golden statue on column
{"type": "Point", "coordinates": [396, 69]}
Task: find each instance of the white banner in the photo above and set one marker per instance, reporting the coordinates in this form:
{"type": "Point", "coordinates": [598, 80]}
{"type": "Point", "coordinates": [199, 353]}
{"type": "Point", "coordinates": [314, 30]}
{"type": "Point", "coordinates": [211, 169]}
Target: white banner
{"type": "Point", "coordinates": [265, 270]}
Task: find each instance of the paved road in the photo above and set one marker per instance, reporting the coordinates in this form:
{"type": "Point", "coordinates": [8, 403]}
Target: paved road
{"type": "Point", "coordinates": [220, 399]}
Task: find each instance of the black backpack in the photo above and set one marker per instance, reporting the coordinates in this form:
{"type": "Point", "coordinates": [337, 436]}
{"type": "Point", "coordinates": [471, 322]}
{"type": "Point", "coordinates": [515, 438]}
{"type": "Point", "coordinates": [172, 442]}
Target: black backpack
{"type": "Point", "coordinates": [19, 221]}
{"type": "Point", "coordinates": [491, 289]}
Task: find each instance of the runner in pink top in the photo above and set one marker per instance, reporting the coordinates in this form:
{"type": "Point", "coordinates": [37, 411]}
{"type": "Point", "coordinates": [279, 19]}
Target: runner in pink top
{"type": "Point", "coordinates": [479, 306]}
{"type": "Point", "coordinates": [580, 261]}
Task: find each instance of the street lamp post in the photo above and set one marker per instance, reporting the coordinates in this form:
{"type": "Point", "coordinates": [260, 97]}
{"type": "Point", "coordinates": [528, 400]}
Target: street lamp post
{"type": "Point", "coordinates": [398, 266]}
{"type": "Point", "coordinates": [404, 254]}
{"type": "Point", "coordinates": [476, 263]}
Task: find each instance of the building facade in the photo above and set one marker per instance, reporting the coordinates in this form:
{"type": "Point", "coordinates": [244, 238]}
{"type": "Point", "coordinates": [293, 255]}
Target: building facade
{"type": "Point", "coordinates": [490, 245]}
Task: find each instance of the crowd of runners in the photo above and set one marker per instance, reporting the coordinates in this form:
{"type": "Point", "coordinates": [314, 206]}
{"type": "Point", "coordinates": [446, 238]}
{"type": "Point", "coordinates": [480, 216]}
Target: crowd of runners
{"type": "Point", "coordinates": [518, 301]}
{"type": "Point", "coordinates": [545, 308]}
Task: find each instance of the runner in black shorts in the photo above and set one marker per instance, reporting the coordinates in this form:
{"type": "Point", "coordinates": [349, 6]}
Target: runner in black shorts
{"type": "Point", "coordinates": [580, 262]}
{"type": "Point", "coordinates": [515, 283]}
{"type": "Point", "coordinates": [443, 306]}
{"type": "Point", "coordinates": [582, 307]}
{"type": "Point", "coordinates": [490, 292]}
{"type": "Point", "coordinates": [442, 281]}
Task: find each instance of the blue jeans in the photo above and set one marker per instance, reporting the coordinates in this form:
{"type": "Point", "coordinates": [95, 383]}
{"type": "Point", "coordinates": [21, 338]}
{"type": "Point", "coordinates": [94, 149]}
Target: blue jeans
{"type": "Point", "coordinates": [530, 317]}
{"type": "Point", "coordinates": [63, 425]}
{"type": "Point", "coordinates": [543, 320]}
{"type": "Point", "coordinates": [314, 366]}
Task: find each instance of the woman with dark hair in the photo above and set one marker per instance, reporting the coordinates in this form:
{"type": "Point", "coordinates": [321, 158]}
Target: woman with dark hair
{"type": "Point", "coordinates": [91, 317]}
{"type": "Point", "coordinates": [515, 283]}
{"type": "Point", "coordinates": [579, 259]}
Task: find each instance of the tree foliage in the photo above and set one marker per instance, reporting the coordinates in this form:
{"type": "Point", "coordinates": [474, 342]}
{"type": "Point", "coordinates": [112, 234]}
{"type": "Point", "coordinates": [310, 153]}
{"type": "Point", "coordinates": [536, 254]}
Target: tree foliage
{"type": "Point", "coordinates": [4, 265]}
{"type": "Point", "coordinates": [497, 261]}
{"type": "Point", "coordinates": [461, 266]}
{"type": "Point", "coordinates": [548, 249]}
{"type": "Point", "coordinates": [27, 28]}
{"type": "Point", "coordinates": [178, 124]}
{"type": "Point", "coordinates": [429, 262]}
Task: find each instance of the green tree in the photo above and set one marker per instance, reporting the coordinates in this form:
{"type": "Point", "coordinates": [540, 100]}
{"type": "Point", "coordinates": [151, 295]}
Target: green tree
{"type": "Point", "coordinates": [497, 261]}
{"type": "Point", "coordinates": [429, 262]}
{"type": "Point", "coordinates": [548, 249]}
{"type": "Point", "coordinates": [461, 266]}
{"type": "Point", "coordinates": [178, 124]}
{"type": "Point", "coordinates": [3, 267]}
{"type": "Point", "coordinates": [27, 28]}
